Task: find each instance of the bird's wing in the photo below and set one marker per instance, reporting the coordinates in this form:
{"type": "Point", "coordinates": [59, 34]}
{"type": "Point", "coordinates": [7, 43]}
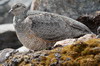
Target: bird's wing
{"type": "Point", "coordinates": [78, 29]}
{"type": "Point", "coordinates": [48, 27]}
{"type": "Point", "coordinates": [51, 26]}
{"type": "Point", "coordinates": [79, 26]}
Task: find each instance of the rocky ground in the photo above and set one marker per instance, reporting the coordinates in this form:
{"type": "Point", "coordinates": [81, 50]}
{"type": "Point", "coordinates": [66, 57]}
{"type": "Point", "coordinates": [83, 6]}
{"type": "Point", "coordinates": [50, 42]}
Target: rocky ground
{"type": "Point", "coordinates": [91, 21]}
{"type": "Point", "coordinates": [79, 53]}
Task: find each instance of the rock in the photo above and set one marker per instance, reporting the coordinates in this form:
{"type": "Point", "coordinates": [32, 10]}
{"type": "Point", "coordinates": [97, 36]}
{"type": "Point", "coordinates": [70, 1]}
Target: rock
{"type": "Point", "coordinates": [6, 27]}
{"type": "Point", "coordinates": [87, 37]}
{"type": "Point", "coordinates": [97, 13]}
{"type": "Point", "coordinates": [4, 8]}
{"type": "Point", "coordinates": [98, 32]}
{"type": "Point", "coordinates": [4, 54]}
{"type": "Point", "coordinates": [26, 2]}
{"type": "Point", "coordinates": [98, 36]}
{"type": "Point", "coordinates": [64, 42]}
{"type": "Point", "coordinates": [8, 38]}
{"type": "Point", "coordinates": [71, 8]}
{"type": "Point", "coordinates": [91, 21]}
{"type": "Point", "coordinates": [4, 2]}
{"type": "Point", "coordinates": [88, 21]}
{"type": "Point", "coordinates": [72, 41]}
{"type": "Point", "coordinates": [78, 54]}
{"type": "Point", "coordinates": [22, 49]}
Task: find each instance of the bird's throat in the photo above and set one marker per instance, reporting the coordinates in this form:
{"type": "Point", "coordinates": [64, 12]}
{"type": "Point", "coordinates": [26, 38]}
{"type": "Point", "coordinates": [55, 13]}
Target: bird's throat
{"type": "Point", "coordinates": [18, 22]}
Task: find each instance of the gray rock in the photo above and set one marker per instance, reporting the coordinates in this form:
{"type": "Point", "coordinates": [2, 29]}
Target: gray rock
{"type": "Point", "coordinates": [8, 38]}
{"type": "Point", "coordinates": [98, 32]}
{"type": "Point", "coordinates": [4, 7]}
{"type": "Point", "coordinates": [71, 8]}
{"type": "Point", "coordinates": [26, 2]}
{"type": "Point", "coordinates": [2, 2]}
{"type": "Point", "coordinates": [4, 54]}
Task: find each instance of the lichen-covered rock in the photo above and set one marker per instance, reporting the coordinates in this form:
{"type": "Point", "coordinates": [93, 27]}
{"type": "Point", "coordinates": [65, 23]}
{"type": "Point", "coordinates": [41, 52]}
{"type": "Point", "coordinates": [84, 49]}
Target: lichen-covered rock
{"type": "Point", "coordinates": [78, 54]}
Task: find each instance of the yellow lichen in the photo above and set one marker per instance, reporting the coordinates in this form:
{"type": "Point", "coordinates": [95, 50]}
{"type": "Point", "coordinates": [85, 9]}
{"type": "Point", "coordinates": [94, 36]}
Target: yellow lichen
{"type": "Point", "coordinates": [78, 47]}
{"type": "Point", "coordinates": [93, 42]}
{"type": "Point", "coordinates": [79, 54]}
{"type": "Point", "coordinates": [88, 62]}
{"type": "Point", "coordinates": [86, 51]}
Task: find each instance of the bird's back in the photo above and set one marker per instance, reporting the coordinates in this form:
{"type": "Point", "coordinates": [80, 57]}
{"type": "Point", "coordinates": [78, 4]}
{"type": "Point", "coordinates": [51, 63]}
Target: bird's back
{"type": "Point", "coordinates": [51, 26]}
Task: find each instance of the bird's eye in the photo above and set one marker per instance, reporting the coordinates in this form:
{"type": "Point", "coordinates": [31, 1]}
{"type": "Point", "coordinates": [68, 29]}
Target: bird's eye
{"type": "Point", "coordinates": [17, 6]}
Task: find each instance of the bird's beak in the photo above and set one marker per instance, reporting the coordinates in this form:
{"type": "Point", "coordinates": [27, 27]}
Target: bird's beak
{"type": "Point", "coordinates": [10, 10]}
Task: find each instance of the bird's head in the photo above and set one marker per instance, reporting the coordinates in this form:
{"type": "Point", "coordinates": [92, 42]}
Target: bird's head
{"type": "Point", "coordinates": [17, 9]}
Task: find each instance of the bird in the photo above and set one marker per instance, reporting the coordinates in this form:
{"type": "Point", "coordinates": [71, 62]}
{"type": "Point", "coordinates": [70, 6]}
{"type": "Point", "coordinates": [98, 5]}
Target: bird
{"type": "Point", "coordinates": [38, 30]}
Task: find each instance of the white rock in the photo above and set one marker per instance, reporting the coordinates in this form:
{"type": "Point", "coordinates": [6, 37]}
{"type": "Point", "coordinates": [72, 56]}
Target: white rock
{"type": "Point", "coordinates": [65, 42]}
{"type": "Point", "coordinates": [6, 27]}
{"type": "Point", "coordinates": [23, 49]}
{"type": "Point", "coordinates": [87, 37]}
